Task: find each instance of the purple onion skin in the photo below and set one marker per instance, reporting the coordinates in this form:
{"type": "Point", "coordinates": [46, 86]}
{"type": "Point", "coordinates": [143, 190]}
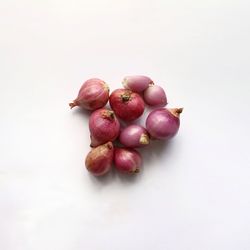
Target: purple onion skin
{"type": "Point", "coordinates": [93, 94]}
{"type": "Point", "coordinates": [134, 136]}
{"type": "Point", "coordinates": [99, 160]}
{"type": "Point", "coordinates": [155, 96]}
{"type": "Point", "coordinates": [103, 127]}
{"type": "Point", "coordinates": [127, 160]}
{"type": "Point", "coordinates": [163, 123]}
{"type": "Point", "coordinates": [136, 83]}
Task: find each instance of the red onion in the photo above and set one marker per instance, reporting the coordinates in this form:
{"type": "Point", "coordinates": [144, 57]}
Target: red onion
{"type": "Point", "coordinates": [155, 95]}
{"type": "Point", "coordinates": [134, 136]}
{"type": "Point", "coordinates": [126, 104]}
{"type": "Point", "coordinates": [103, 127]}
{"type": "Point", "coordinates": [136, 83]}
{"type": "Point", "coordinates": [93, 94]}
{"type": "Point", "coordinates": [127, 160]}
{"type": "Point", "coordinates": [163, 123]}
{"type": "Point", "coordinates": [99, 159]}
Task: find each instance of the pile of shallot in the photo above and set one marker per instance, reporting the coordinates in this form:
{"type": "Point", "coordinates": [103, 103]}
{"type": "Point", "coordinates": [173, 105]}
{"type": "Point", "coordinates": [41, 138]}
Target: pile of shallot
{"type": "Point", "coordinates": [115, 144]}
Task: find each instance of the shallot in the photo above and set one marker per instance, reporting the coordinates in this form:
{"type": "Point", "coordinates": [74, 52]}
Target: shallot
{"type": "Point", "coordinates": [103, 127]}
{"type": "Point", "coordinates": [127, 160]}
{"type": "Point", "coordinates": [163, 123]}
{"type": "Point", "coordinates": [136, 83]}
{"type": "Point", "coordinates": [155, 95]}
{"type": "Point", "coordinates": [126, 104]}
{"type": "Point", "coordinates": [93, 94]}
{"type": "Point", "coordinates": [99, 159]}
{"type": "Point", "coordinates": [134, 136]}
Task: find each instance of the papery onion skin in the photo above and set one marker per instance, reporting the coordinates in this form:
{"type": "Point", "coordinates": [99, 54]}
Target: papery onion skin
{"type": "Point", "coordinates": [127, 160]}
{"type": "Point", "coordinates": [103, 127]}
{"type": "Point", "coordinates": [137, 83]}
{"type": "Point", "coordinates": [163, 123]}
{"type": "Point", "coordinates": [134, 136]}
{"type": "Point", "coordinates": [93, 94]}
{"type": "Point", "coordinates": [155, 96]}
{"type": "Point", "coordinates": [126, 104]}
{"type": "Point", "coordinates": [99, 160]}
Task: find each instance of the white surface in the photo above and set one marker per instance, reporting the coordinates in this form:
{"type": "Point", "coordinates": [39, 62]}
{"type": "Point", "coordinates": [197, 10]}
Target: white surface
{"type": "Point", "coordinates": [193, 194]}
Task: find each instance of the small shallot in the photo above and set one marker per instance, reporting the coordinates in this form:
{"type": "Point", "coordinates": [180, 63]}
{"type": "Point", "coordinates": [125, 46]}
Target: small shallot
{"type": "Point", "coordinates": [93, 94]}
{"type": "Point", "coordinates": [136, 83]}
{"type": "Point", "coordinates": [163, 123]}
{"type": "Point", "coordinates": [134, 136]}
{"type": "Point", "coordinates": [155, 95]}
{"type": "Point", "coordinates": [103, 127]}
{"type": "Point", "coordinates": [127, 160]}
{"type": "Point", "coordinates": [99, 159]}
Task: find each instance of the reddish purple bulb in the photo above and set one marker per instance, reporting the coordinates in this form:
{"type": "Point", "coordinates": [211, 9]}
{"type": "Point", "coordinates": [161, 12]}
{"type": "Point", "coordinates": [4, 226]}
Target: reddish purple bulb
{"type": "Point", "coordinates": [163, 123]}
{"type": "Point", "coordinates": [103, 127]}
{"type": "Point", "coordinates": [155, 96]}
{"type": "Point", "coordinates": [93, 94]}
{"type": "Point", "coordinates": [99, 159]}
{"type": "Point", "coordinates": [127, 160]}
{"type": "Point", "coordinates": [134, 136]}
{"type": "Point", "coordinates": [126, 104]}
{"type": "Point", "coordinates": [137, 83]}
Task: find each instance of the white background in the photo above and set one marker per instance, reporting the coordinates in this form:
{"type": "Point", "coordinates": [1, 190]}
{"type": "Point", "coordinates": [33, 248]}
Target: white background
{"type": "Point", "coordinates": [193, 193]}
